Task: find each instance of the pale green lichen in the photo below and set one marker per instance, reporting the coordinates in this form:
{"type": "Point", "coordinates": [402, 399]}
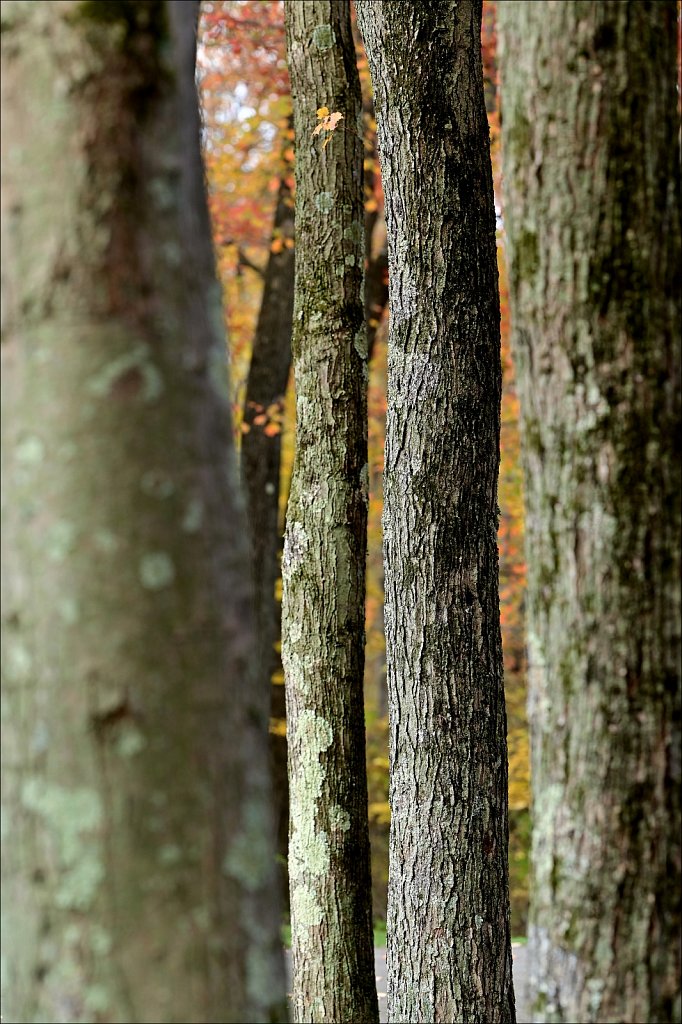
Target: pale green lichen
{"type": "Point", "coordinates": [17, 662]}
{"type": "Point", "coordinates": [323, 37]}
{"type": "Point", "coordinates": [106, 541]}
{"type": "Point", "coordinates": [324, 202]}
{"type": "Point", "coordinates": [97, 998]}
{"type": "Point", "coordinates": [202, 918]}
{"type": "Point", "coordinates": [129, 741]}
{"type": "Point", "coordinates": [306, 912]}
{"type": "Point", "coordinates": [30, 451]}
{"type": "Point", "coordinates": [80, 883]}
{"type": "Point", "coordinates": [156, 570]}
{"type": "Point", "coordinates": [309, 849]}
{"type": "Point", "coordinates": [349, 259]}
{"type": "Point", "coordinates": [69, 815]}
{"type": "Point", "coordinates": [354, 233]}
{"type": "Point", "coordinates": [259, 972]}
{"type": "Point", "coordinates": [100, 941]}
{"type": "Point", "coordinates": [60, 540]}
{"type": "Point", "coordinates": [249, 857]}
{"type": "Point", "coordinates": [169, 854]}
{"type": "Point", "coordinates": [339, 819]}
{"type": "Point", "coordinates": [157, 484]}
{"type": "Point", "coordinates": [360, 342]}
{"type": "Point", "coordinates": [40, 739]}
{"type": "Point", "coordinates": [193, 519]}
{"type": "Point", "coordinates": [173, 254]}
{"type": "Point", "coordinates": [69, 609]}
{"type": "Point", "coordinates": [139, 358]}
{"type": "Point", "coordinates": [295, 548]}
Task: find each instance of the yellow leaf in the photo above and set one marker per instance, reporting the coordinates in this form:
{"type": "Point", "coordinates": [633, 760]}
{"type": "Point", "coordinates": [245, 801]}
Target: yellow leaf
{"type": "Point", "coordinates": [277, 678]}
{"type": "Point", "coordinates": [278, 727]}
{"type": "Point", "coordinates": [323, 111]}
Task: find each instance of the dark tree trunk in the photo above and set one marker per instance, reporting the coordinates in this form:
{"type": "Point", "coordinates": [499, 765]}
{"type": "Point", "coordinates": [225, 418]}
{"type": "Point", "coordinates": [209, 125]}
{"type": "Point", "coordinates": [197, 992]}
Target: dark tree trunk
{"type": "Point", "coordinates": [449, 953]}
{"type": "Point", "coordinates": [138, 866]}
{"type": "Point", "coordinates": [592, 212]}
{"type": "Point", "coordinates": [260, 458]}
{"type": "Point", "coordinates": [323, 567]}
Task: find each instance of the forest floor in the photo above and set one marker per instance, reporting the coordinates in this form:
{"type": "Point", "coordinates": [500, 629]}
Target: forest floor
{"type": "Point", "coordinates": [520, 980]}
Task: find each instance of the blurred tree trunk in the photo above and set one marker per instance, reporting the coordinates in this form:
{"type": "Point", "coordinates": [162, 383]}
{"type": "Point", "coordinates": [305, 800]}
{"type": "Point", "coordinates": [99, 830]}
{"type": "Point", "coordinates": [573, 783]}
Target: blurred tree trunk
{"type": "Point", "coordinates": [449, 953]}
{"type": "Point", "coordinates": [260, 458]}
{"type": "Point", "coordinates": [323, 566]}
{"type": "Point", "coordinates": [592, 213]}
{"type": "Point", "coordinates": [138, 860]}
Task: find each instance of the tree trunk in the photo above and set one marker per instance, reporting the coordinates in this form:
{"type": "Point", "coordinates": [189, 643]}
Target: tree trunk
{"type": "Point", "coordinates": [138, 859]}
{"type": "Point", "coordinates": [260, 459]}
{"type": "Point", "coordinates": [325, 541]}
{"type": "Point", "coordinates": [592, 215]}
{"type": "Point", "coordinates": [449, 953]}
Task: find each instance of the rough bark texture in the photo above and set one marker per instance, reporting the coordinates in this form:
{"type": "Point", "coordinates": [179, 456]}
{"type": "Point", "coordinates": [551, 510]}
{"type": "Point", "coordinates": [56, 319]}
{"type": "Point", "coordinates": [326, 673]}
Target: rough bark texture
{"type": "Point", "coordinates": [137, 854]}
{"type": "Point", "coordinates": [449, 954]}
{"type": "Point", "coordinates": [592, 213]}
{"type": "Point", "coordinates": [325, 541]}
{"type": "Point", "coordinates": [260, 459]}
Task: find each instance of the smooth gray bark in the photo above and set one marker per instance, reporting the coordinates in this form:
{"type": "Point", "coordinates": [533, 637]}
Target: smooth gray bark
{"type": "Point", "coordinates": [323, 568]}
{"type": "Point", "coordinates": [449, 953]}
{"type": "Point", "coordinates": [138, 866]}
{"type": "Point", "coordinates": [592, 215]}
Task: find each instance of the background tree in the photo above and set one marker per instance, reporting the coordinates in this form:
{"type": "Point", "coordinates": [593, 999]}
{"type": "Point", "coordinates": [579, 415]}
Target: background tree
{"type": "Point", "coordinates": [138, 860]}
{"type": "Point", "coordinates": [592, 214]}
{"type": "Point", "coordinates": [449, 954]}
{"type": "Point", "coordinates": [323, 567]}
{"type": "Point", "coordinates": [261, 458]}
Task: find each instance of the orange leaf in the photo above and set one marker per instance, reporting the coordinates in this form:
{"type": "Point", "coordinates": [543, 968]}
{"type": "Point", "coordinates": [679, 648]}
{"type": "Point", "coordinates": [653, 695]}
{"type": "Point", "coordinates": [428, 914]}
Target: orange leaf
{"type": "Point", "coordinates": [272, 429]}
{"type": "Point", "coordinates": [276, 245]}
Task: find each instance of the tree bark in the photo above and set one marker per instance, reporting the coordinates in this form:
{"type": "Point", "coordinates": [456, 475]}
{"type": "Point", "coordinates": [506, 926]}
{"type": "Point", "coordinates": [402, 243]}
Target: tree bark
{"type": "Point", "coordinates": [592, 213]}
{"type": "Point", "coordinates": [260, 459]}
{"type": "Point", "coordinates": [138, 859]}
{"type": "Point", "coordinates": [449, 952]}
{"type": "Point", "coordinates": [325, 541]}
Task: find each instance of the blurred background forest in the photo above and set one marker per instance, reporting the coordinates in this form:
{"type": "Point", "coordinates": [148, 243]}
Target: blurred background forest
{"type": "Point", "coordinates": [248, 149]}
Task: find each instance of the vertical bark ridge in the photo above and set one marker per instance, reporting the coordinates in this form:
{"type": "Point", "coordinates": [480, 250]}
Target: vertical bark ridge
{"type": "Point", "coordinates": [449, 953]}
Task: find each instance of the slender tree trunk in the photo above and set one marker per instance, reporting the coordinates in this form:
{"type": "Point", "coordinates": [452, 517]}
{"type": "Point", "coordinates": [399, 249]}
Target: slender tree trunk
{"type": "Point", "coordinates": [449, 953]}
{"type": "Point", "coordinates": [592, 212]}
{"type": "Point", "coordinates": [138, 859]}
{"type": "Point", "coordinates": [260, 458]}
{"type": "Point", "coordinates": [324, 550]}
